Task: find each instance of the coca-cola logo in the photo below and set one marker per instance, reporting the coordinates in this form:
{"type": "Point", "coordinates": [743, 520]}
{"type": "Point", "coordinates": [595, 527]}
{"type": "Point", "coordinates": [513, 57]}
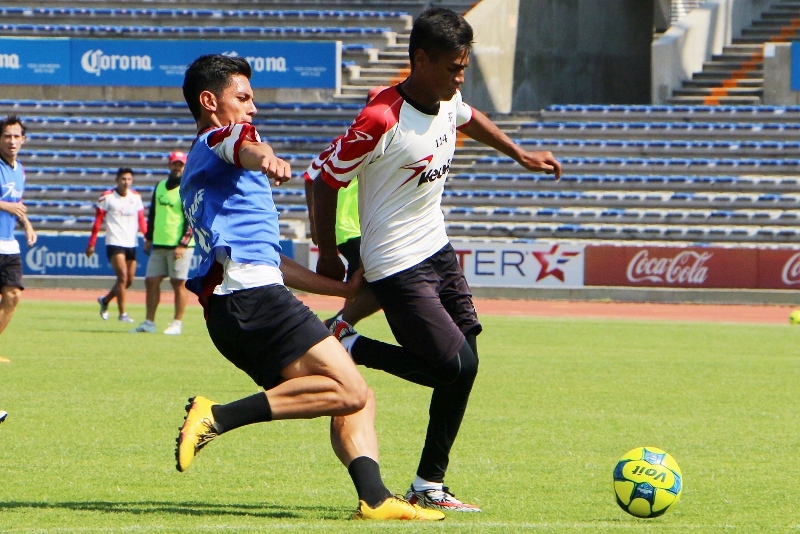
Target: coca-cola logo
{"type": "Point", "coordinates": [791, 271]}
{"type": "Point", "coordinates": [688, 267]}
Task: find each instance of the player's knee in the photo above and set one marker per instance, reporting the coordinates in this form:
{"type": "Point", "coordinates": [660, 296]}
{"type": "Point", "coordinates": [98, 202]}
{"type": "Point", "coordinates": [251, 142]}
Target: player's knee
{"type": "Point", "coordinates": [462, 368]}
{"type": "Point", "coordinates": [356, 396]}
{"type": "Point", "coordinates": [11, 298]}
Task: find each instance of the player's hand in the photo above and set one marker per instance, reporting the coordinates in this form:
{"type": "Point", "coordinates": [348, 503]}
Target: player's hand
{"type": "Point", "coordinates": [332, 267]}
{"type": "Point", "coordinates": [179, 252]}
{"type": "Point", "coordinates": [30, 235]}
{"type": "Point", "coordinates": [543, 161]}
{"type": "Point", "coordinates": [148, 246]}
{"type": "Point", "coordinates": [276, 169]}
{"type": "Point", "coordinates": [89, 251]}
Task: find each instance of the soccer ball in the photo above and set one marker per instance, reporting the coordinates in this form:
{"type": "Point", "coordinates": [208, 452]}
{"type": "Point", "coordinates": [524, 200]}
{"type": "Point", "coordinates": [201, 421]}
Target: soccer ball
{"type": "Point", "coordinates": [647, 482]}
{"type": "Point", "coordinates": [794, 317]}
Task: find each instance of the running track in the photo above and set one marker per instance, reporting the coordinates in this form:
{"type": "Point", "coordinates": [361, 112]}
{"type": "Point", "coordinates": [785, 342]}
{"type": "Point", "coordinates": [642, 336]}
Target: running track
{"type": "Point", "coordinates": [728, 313]}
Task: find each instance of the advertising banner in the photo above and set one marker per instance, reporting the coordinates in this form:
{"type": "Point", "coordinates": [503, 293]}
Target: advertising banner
{"type": "Point", "coordinates": [686, 267]}
{"type": "Point", "coordinates": [62, 254]}
{"type": "Point", "coordinates": [779, 269]}
{"type": "Point", "coordinates": [34, 61]}
{"type": "Point", "coordinates": [162, 63]}
{"type": "Point", "coordinates": [488, 264]}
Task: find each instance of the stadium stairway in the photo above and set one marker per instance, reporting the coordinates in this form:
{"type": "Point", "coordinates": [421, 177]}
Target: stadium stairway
{"type": "Point", "coordinates": [736, 76]}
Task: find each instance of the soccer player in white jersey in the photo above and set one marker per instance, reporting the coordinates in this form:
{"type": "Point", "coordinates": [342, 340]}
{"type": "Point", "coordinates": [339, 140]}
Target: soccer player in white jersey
{"type": "Point", "coordinates": [123, 212]}
{"type": "Point", "coordinates": [251, 316]}
{"type": "Point", "coordinates": [401, 147]}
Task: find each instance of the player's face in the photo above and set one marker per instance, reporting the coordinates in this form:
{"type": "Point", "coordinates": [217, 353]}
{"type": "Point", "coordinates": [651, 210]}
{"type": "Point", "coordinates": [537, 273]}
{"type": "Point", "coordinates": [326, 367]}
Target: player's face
{"type": "Point", "coordinates": [124, 182]}
{"type": "Point", "coordinates": [11, 141]}
{"type": "Point", "coordinates": [235, 104]}
{"type": "Point", "coordinates": [445, 74]}
{"type": "Point", "coordinates": [176, 168]}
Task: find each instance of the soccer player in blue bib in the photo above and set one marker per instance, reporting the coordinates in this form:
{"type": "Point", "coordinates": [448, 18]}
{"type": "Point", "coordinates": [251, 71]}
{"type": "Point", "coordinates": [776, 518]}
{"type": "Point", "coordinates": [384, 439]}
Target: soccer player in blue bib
{"type": "Point", "coordinates": [251, 316]}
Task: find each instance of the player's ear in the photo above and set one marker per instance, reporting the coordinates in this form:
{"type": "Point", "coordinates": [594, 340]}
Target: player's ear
{"type": "Point", "coordinates": [209, 101]}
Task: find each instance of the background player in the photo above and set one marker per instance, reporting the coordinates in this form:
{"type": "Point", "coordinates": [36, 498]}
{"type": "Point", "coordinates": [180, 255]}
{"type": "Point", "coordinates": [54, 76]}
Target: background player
{"type": "Point", "coordinates": [12, 211]}
{"type": "Point", "coordinates": [123, 212]}
{"type": "Point", "coordinates": [169, 243]}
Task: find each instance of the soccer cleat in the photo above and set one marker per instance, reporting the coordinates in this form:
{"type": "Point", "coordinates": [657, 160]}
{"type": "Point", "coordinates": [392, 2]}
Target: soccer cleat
{"type": "Point", "coordinates": [341, 329]}
{"type": "Point", "coordinates": [145, 327]}
{"type": "Point", "coordinates": [173, 328]}
{"type": "Point", "coordinates": [197, 431]}
{"type": "Point", "coordinates": [396, 508]}
{"type": "Point", "coordinates": [3, 415]}
{"type": "Point", "coordinates": [125, 318]}
{"type": "Point", "coordinates": [103, 308]}
{"type": "Point", "coordinates": [438, 500]}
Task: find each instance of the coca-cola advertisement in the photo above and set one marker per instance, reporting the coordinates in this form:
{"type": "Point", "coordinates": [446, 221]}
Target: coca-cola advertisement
{"type": "Point", "coordinates": [687, 267]}
{"type": "Point", "coordinates": [779, 269]}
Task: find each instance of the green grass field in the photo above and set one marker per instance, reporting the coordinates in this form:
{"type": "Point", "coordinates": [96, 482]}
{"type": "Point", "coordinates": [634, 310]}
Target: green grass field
{"type": "Point", "coordinates": [94, 411]}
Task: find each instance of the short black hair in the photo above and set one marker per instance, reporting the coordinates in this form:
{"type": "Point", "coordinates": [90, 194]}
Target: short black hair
{"type": "Point", "coordinates": [124, 170]}
{"type": "Point", "coordinates": [11, 120]}
{"type": "Point", "coordinates": [211, 72]}
{"type": "Point", "coordinates": [439, 30]}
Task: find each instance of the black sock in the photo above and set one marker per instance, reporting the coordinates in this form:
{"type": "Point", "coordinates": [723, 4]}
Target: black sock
{"type": "Point", "coordinates": [366, 475]}
{"type": "Point", "coordinates": [252, 409]}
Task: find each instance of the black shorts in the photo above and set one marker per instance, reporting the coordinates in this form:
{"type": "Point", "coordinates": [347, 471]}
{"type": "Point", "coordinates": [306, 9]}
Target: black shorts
{"type": "Point", "coordinates": [262, 330]}
{"type": "Point", "coordinates": [351, 250]}
{"type": "Point", "coordinates": [113, 250]}
{"type": "Point", "coordinates": [429, 306]}
{"type": "Point", "coordinates": [11, 270]}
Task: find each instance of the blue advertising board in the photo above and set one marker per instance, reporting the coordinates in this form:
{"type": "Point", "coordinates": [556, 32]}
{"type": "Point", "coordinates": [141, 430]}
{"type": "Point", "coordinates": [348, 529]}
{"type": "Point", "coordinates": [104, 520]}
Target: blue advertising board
{"type": "Point", "coordinates": [62, 254]}
{"type": "Point", "coordinates": [162, 63]}
{"type": "Point", "coordinates": [34, 61]}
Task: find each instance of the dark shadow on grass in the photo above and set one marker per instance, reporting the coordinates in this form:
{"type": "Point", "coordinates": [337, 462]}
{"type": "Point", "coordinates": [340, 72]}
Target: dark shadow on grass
{"type": "Point", "coordinates": [186, 508]}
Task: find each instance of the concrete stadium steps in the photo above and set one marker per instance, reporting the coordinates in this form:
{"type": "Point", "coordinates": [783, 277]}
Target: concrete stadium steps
{"type": "Point", "coordinates": [412, 6]}
{"type": "Point", "coordinates": [205, 17]}
{"type": "Point", "coordinates": [671, 113]}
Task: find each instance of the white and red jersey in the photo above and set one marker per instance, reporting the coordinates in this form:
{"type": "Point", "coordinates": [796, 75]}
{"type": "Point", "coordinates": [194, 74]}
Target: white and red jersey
{"type": "Point", "coordinates": [124, 217]}
{"type": "Point", "coordinates": [401, 156]}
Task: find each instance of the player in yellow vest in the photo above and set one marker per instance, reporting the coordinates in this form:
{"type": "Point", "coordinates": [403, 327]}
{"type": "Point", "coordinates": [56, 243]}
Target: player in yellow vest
{"type": "Point", "coordinates": [169, 242]}
{"type": "Point", "coordinates": [348, 234]}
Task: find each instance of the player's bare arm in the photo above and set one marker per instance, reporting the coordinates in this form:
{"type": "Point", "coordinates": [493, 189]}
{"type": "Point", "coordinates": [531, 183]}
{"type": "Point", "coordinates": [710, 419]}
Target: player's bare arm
{"type": "Point", "coordinates": [325, 198]}
{"type": "Point", "coordinates": [298, 277]}
{"type": "Point", "coordinates": [30, 233]}
{"type": "Point", "coordinates": [17, 209]}
{"type": "Point", "coordinates": [261, 157]}
{"type": "Point", "coordinates": [483, 130]}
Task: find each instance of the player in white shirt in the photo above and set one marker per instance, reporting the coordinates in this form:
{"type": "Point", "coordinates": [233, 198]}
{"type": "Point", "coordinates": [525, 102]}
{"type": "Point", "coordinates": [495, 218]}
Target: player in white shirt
{"type": "Point", "coordinates": [401, 147]}
{"type": "Point", "coordinates": [123, 212]}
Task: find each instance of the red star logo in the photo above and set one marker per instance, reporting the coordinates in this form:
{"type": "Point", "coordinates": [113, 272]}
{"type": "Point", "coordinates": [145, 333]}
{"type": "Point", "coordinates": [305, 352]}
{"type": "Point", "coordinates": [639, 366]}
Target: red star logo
{"type": "Point", "coordinates": [552, 261]}
{"type": "Point", "coordinates": [417, 167]}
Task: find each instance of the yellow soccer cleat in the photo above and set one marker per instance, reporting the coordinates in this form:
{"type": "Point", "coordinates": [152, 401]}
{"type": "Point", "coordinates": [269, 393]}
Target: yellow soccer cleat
{"type": "Point", "coordinates": [396, 508]}
{"type": "Point", "coordinates": [198, 429]}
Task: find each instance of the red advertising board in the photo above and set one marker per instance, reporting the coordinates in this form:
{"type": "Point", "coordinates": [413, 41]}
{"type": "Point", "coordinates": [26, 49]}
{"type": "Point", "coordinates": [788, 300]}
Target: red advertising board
{"type": "Point", "coordinates": [779, 269]}
{"type": "Point", "coordinates": [687, 267]}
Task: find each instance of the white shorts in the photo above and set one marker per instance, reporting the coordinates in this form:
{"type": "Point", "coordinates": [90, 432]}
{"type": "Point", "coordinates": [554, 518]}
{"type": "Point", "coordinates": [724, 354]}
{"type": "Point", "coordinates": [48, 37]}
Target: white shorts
{"type": "Point", "coordinates": [162, 262]}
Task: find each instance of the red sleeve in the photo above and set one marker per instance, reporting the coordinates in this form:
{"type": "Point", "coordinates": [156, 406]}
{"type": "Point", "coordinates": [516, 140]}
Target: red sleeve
{"type": "Point", "coordinates": [352, 150]}
{"type": "Point", "coordinates": [99, 215]}
{"type": "Point", "coordinates": [142, 222]}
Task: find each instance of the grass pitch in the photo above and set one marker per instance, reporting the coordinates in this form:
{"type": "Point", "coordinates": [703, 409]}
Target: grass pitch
{"type": "Point", "coordinates": [94, 411]}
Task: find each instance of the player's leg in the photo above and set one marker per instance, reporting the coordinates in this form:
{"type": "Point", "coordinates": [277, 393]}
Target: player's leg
{"type": "Point", "coordinates": [178, 273]}
{"type": "Point", "coordinates": [120, 268]}
{"type": "Point", "coordinates": [10, 287]}
{"type": "Point", "coordinates": [436, 354]}
{"type": "Point", "coordinates": [364, 304]}
{"type": "Point", "coordinates": [154, 274]}
{"type": "Point", "coordinates": [10, 296]}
